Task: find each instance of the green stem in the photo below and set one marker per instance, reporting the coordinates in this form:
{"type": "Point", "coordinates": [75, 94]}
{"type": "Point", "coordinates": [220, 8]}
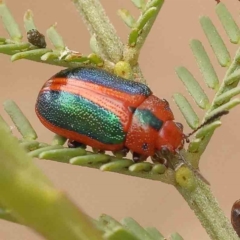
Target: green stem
{"type": "Point", "coordinates": [34, 201]}
{"type": "Point", "coordinates": [98, 23]}
{"type": "Point", "coordinates": [36, 54]}
{"type": "Point", "coordinates": [131, 53]}
{"type": "Point", "coordinates": [104, 162]}
{"type": "Point", "coordinates": [206, 208]}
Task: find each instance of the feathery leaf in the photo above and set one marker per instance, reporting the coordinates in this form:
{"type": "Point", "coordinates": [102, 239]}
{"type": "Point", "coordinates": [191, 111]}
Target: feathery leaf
{"type": "Point", "coordinates": [228, 23]}
{"type": "Point", "coordinates": [215, 41]}
{"type": "Point", "coordinates": [204, 64]}
{"type": "Point", "coordinates": [193, 87]}
{"type": "Point", "coordinates": [20, 121]}
{"type": "Point", "coordinates": [10, 23]}
{"type": "Point", "coordinates": [186, 110]}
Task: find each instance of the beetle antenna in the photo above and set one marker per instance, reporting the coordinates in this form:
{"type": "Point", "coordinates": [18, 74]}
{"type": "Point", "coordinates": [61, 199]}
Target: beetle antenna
{"type": "Point", "coordinates": [208, 121]}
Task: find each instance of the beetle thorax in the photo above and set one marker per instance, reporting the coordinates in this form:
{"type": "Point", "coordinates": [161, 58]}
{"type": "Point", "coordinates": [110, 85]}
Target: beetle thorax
{"type": "Point", "coordinates": [152, 127]}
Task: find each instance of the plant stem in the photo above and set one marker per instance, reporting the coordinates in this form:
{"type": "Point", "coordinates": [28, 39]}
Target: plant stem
{"type": "Point", "coordinates": [131, 53]}
{"type": "Point", "coordinates": [206, 208]}
{"type": "Point", "coordinates": [34, 201]}
{"type": "Point", "coordinates": [98, 23]}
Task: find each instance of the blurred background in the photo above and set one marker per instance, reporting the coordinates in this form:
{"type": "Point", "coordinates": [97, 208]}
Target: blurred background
{"type": "Point", "coordinates": [151, 203]}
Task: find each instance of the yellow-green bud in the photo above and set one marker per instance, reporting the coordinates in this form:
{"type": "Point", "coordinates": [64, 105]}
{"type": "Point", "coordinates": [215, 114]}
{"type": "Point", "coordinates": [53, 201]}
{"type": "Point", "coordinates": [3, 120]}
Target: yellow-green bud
{"type": "Point", "coordinates": [123, 69]}
{"type": "Point", "coordinates": [185, 178]}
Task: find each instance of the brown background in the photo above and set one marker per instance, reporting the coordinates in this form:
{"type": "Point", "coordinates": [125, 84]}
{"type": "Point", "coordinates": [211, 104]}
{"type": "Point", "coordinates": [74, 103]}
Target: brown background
{"type": "Point", "coordinates": [150, 203]}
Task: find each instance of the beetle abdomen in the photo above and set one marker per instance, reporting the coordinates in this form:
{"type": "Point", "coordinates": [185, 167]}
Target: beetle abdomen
{"type": "Point", "coordinates": [90, 105]}
{"type": "Point", "coordinates": [76, 117]}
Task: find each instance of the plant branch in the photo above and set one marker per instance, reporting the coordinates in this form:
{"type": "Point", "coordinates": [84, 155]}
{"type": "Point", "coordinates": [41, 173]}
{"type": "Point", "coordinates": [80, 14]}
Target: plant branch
{"type": "Point", "coordinates": [34, 201]}
{"type": "Point", "coordinates": [206, 208]}
{"type": "Point", "coordinates": [142, 29]}
{"type": "Point", "coordinates": [103, 162]}
{"type": "Point", "coordinates": [44, 55]}
{"type": "Point", "coordinates": [228, 83]}
{"type": "Point", "coordinates": [98, 24]}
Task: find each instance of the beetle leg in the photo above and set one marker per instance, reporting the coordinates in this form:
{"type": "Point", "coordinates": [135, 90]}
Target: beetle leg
{"type": "Point", "coordinates": [138, 157]}
{"type": "Point", "coordinates": [74, 144]}
{"type": "Point", "coordinates": [168, 156]}
{"type": "Point", "coordinates": [165, 151]}
{"type": "Point", "coordinates": [121, 153]}
{"type": "Point", "coordinates": [159, 159]}
{"type": "Point", "coordinates": [95, 150]}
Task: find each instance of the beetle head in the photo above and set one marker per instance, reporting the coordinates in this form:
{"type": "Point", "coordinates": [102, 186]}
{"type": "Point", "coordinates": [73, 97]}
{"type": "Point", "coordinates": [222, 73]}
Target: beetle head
{"type": "Point", "coordinates": [171, 136]}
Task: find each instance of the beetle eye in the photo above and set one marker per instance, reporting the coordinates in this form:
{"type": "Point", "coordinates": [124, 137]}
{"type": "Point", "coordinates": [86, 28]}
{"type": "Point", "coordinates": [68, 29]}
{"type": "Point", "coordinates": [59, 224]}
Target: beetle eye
{"type": "Point", "coordinates": [179, 125]}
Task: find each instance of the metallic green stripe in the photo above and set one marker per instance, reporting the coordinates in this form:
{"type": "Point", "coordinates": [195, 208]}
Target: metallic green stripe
{"type": "Point", "coordinates": [147, 118]}
{"type": "Point", "coordinates": [75, 113]}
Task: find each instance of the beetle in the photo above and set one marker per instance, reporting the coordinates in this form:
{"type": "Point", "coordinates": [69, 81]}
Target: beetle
{"type": "Point", "coordinates": [90, 106]}
{"type": "Point", "coordinates": [235, 217]}
{"type": "Point", "coordinates": [36, 38]}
